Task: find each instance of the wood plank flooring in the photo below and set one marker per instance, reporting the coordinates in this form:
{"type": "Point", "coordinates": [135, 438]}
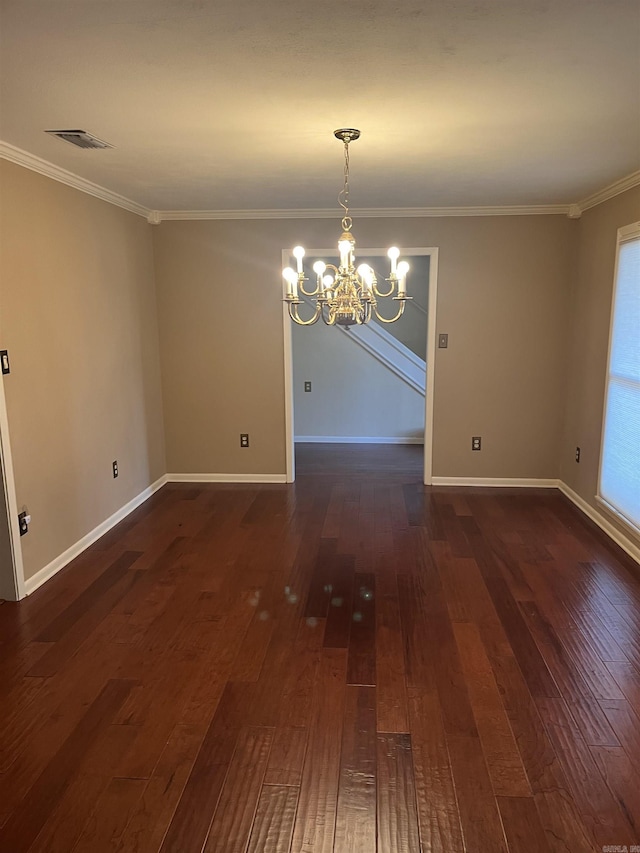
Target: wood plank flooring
{"type": "Point", "coordinates": [351, 664]}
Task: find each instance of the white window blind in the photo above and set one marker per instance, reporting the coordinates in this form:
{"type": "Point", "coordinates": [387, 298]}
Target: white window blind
{"type": "Point", "coordinates": [620, 460]}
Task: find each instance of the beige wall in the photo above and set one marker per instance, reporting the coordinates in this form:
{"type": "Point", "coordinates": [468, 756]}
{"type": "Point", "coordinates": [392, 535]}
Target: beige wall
{"type": "Point", "coordinates": [502, 298]}
{"type": "Point", "coordinates": [591, 294]}
{"type": "Point", "coordinates": [220, 320]}
{"type": "Point", "coordinates": [77, 313]}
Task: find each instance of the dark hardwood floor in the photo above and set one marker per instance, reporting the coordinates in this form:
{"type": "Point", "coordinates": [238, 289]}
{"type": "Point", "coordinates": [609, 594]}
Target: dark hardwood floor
{"type": "Point", "coordinates": [353, 663]}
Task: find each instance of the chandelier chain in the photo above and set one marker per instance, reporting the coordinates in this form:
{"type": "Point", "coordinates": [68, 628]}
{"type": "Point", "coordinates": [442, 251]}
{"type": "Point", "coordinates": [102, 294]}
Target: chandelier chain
{"type": "Point", "coordinates": [343, 195]}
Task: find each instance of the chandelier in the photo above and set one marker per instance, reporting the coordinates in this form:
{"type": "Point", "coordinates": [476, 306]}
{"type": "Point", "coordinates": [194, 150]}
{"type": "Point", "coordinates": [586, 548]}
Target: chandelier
{"type": "Point", "coordinates": [345, 295]}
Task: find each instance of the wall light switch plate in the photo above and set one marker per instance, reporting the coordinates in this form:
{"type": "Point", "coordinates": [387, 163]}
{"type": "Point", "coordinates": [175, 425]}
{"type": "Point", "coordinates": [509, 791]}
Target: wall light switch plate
{"type": "Point", "coordinates": [443, 341]}
{"type": "Point", "coordinates": [4, 360]}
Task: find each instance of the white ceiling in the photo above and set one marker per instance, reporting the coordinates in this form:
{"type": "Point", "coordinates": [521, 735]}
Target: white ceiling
{"type": "Point", "coordinates": [232, 104]}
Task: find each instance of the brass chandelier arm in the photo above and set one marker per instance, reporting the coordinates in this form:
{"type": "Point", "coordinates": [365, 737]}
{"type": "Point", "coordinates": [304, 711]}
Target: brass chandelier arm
{"type": "Point", "coordinates": [295, 316]}
{"type": "Point", "coordinates": [302, 279]}
{"type": "Point", "coordinates": [378, 292]}
{"type": "Point", "coordinates": [402, 301]}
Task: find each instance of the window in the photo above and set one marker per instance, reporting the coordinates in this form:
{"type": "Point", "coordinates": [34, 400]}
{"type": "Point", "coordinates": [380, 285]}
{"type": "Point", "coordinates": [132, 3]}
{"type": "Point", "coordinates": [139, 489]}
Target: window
{"type": "Point", "coordinates": [620, 458]}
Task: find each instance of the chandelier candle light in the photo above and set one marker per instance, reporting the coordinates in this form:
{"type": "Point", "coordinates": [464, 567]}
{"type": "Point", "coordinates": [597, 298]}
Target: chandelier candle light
{"type": "Point", "coordinates": [345, 295]}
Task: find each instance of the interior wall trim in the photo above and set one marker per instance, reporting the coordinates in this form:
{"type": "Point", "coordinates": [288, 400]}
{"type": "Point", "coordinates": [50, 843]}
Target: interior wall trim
{"type": "Point", "coordinates": [627, 545]}
{"type": "Point", "coordinates": [370, 212]}
{"type": "Point", "coordinates": [614, 189]}
{"type": "Point", "coordinates": [358, 439]}
{"type": "Point", "coordinates": [155, 217]}
{"type": "Point", "coordinates": [63, 176]}
{"type": "Point", "coordinates": [497, 482]}
{"type": "Point", "coordinates": [226, 478]}
{"type": "Point", "coordinates": [9, 495]}
{"type": "Point", "coordinates": [52, 568]}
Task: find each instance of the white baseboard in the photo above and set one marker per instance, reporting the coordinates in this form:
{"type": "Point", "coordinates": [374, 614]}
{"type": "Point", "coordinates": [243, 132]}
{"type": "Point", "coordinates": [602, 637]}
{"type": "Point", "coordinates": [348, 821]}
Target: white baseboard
{"type": "Point", "coordinates": [356, 439]}
{"type": "Point", "coordinates": [627, 545]}
{"type": "Point", "coordinates": [52, 568]}
{"type": "Point", "coordinates": [226, 478]}
{"type": "Point", "coordinates": [603, 523]}
{"type": "Point", "coordinates": [494, 482]}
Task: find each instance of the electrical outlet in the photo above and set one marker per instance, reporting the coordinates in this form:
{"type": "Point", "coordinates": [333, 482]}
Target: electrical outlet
{"type": "Point", "coordinates": [476, 442]}
{"type": "Point", "coordinates": [577, 454]}
{"type": "Point", "coordinates": [443, 341]}
{"type": "Point", "coordinates": [244, 439]}
{"type": "Point", "coordinates": [307, 386]}
{"type": "Point", "coordinates": [115, 469]}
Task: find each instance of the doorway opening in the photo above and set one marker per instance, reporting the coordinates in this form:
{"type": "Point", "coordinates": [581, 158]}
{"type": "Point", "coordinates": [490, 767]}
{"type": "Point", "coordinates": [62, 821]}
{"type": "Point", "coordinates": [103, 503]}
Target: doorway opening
{"type": "Point", "coordinates": [397, 353]}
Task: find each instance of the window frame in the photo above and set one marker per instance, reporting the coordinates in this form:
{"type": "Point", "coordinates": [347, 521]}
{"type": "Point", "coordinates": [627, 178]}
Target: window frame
{"type": "Point", "coordinates": [625, 235]}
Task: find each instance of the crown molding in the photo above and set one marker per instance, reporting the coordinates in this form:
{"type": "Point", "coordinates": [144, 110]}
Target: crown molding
{"type": "Point", "coordinates": [614, 189]}
{"type": "Point", "coordinates": [50, 170]}
{"type": "Point", "coordinates": [155, 217]}
{"type": "Point", "coordinates": [368, 213]}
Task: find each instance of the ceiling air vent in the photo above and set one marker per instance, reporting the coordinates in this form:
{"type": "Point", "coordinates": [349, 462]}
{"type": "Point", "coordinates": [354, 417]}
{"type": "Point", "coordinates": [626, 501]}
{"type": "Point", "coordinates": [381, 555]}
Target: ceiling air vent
{"type": "Point", "coordinates": [79, 138]}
